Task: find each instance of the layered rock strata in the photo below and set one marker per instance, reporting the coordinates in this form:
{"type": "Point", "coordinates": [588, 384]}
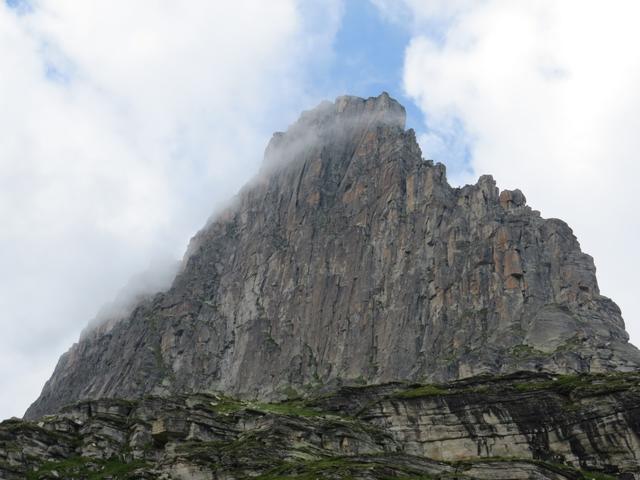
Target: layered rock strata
{"type": "Point", "coordinates": [522, 426]}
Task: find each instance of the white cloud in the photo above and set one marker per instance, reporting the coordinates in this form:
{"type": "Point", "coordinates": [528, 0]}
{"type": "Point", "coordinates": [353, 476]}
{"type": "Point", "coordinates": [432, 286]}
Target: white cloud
{"type": "Point", "coordinates": [545, 97]}
{"type": "Point", "coordinates": [122, 125]}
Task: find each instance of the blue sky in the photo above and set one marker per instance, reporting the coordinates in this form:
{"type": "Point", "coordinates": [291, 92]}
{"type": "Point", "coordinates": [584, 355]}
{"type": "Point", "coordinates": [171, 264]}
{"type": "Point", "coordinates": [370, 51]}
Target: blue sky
{"type": "Point", "coordinates": [21, 6]}
{"type": "Point", "coordinates": [369, 56]}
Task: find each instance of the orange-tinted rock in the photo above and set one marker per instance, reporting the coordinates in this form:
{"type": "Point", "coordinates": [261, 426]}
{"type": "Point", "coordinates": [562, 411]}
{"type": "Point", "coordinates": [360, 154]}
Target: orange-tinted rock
{"type": "Point", "coordinates": [512, 199]}
{"type": "Point", "coordinates": [352, 259]}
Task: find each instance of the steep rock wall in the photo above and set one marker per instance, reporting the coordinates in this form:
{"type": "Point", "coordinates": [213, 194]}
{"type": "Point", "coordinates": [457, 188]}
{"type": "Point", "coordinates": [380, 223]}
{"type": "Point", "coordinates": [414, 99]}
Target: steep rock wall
{"type": "Point", "coordinates": [351, 259]}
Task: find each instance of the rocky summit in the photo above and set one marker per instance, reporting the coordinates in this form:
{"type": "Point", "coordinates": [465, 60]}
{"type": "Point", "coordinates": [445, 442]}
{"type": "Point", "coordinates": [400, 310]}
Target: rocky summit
{"type": "Point", "coordinates": [349, 261]}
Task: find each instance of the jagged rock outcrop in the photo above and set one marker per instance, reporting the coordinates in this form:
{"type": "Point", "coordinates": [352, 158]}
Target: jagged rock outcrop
{"type": "Point", "coordinates": [350, 259]}
{"type": "Point", "coordinates": [524, 426]}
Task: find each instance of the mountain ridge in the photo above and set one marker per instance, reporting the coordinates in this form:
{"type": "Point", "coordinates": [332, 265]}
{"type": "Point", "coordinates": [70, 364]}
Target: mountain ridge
{"type": "Point", "coordinates": [350, 259]}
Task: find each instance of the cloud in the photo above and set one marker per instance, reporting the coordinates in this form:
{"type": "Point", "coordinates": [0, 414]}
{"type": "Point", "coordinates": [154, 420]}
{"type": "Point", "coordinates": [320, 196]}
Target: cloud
{"type": "Point", "coordinates": [544, 96]}
{"type": "Point", "coordinates": [122, 125]}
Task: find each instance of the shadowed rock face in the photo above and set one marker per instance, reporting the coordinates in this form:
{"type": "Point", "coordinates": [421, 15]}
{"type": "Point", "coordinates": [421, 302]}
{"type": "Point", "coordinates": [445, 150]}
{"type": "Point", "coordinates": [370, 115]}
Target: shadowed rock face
{"type": "Point", "coordinates": [351, 259]}
{"type": "Point", "coordinates": [526, 426]}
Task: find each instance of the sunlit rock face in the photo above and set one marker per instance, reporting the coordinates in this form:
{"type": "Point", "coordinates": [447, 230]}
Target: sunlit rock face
{"type": "Point", "coordinates": [350, 259]}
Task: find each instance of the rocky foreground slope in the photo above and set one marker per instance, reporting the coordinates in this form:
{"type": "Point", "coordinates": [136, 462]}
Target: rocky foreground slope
{"type": "Point", "coordinates": [351, 259]}
{"type": "Point", "coordinates": [523, 426]}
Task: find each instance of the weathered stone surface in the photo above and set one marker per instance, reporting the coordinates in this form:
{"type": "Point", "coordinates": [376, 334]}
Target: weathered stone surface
{"type": "Point", "coordinates": [350, 259]}
{"type": "Point", "coordinates": [519, 427]}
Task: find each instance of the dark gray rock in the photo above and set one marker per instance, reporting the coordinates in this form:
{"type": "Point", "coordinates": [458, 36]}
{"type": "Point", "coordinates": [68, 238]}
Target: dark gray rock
{"type": "Point", "coordinates": [525, 426]}
{"type": "Point", "coordinates": [350, 259]}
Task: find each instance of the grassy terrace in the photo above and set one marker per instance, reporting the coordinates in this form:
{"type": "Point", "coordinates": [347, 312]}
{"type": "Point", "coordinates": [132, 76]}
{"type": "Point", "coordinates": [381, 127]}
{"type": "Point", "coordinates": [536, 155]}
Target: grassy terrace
{"type": "Point", "coordinates": [582, 386]}
{"type": "Point", "coordinates": [87, 469]}
{"type": "Point", "coordinates": [404, 467]}
{"type": "Point", "coordinates": [387, 467]}
{"type": "Point", "coordinates": [575, 386]}
{"type": "Point", "coordinates": [295, 408]}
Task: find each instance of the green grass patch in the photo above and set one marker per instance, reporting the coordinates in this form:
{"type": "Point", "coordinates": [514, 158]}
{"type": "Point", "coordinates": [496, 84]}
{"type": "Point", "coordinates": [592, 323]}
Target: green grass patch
{"type": "Point", "coordinates": [227, 405]}
{"type": "Point", "coordinates": [295, 408]}
{"type": "Point", "coordinates": [583, 385]}
{"type": "Point", "coordinates": [86, 469]}
{"type": "Point", "coordinates": [330, 468]}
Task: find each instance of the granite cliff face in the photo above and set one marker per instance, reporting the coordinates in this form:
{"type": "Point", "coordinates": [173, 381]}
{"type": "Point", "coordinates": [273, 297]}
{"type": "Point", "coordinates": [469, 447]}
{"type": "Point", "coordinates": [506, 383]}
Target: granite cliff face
{"type": "Point", "coordinates": [350, 259]}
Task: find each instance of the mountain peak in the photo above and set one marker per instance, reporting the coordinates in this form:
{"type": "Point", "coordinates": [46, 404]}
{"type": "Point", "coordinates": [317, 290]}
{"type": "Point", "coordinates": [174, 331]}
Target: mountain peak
{"type": "Point", "coordinates": [382, 109]}
{"type": "Point", "coordinates": [343, 122]}
{"type": "Point", "coordinates": [354, 261]}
